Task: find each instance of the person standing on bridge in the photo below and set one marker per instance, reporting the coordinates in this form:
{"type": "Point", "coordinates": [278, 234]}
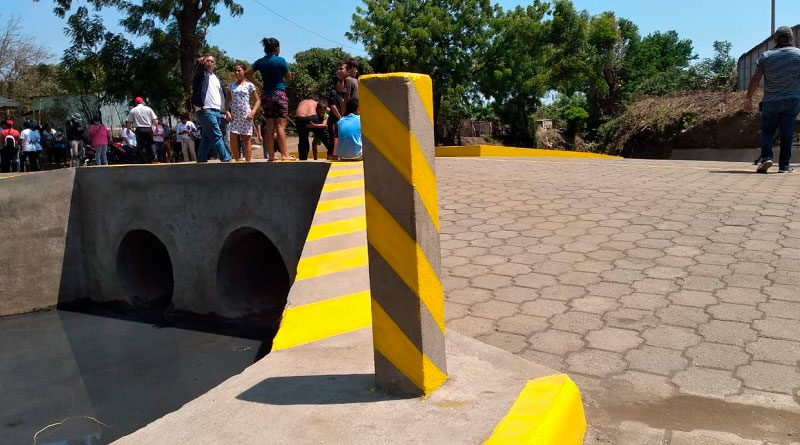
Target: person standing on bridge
{"type": "Point", "coordinates": [142, 118]}
{"type": "Point", "coordinates": [780, 69]}
{"type": "Point", "coordinates": [208, 98]}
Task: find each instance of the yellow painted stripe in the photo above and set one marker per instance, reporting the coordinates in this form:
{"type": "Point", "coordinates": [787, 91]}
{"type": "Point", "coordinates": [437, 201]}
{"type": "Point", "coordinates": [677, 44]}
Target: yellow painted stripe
{"type": "Point", "coordinates": [398, 145]}
{"type": "Point", "coordinates": [422, 82]}
{"type": "Point", "coordinates": [10, 176]}
{"type": "Point", "coordinates": [346, 185]}
{"type": "Point", "coordinates": [345, 172]}
{"type": "Point", "coordinates": [498, 151]}
{"type": "Point", "coordinates": [323, 319]}
{"type": "Point", "coordinates": [331, 262]}
{"type": "Point", "coordinates": [344, 164]}
{"type": "Point", "coordinates": [548, 411]}
{"type": "Point", "coordinates": [405, 257]}
{"type": "Point", "coordinates": [341, 227]}
{"type": "Point", "coordinates": [393, 344]}
{"type": "Point", "coordinates": [340, 203]}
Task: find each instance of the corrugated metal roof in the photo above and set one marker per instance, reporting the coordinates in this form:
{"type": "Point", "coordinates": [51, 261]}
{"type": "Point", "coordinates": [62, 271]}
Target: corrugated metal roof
{"type": "Point", "coordinates": [6, 102]}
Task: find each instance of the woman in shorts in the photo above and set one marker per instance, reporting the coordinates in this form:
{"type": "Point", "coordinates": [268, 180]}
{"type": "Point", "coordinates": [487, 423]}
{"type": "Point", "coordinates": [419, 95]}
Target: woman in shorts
{"type": "Point", "coordinates": [239, 94]}
{"type": "Point", "coordinates": [274, 74]}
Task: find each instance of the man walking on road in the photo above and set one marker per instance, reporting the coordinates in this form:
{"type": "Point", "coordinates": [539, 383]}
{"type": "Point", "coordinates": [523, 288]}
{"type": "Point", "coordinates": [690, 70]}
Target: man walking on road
{"type": "Point", "coordinates": [142, 119]}
{"type": "Point", "coordinates": [208, 98]}
{"type": "Point", "coordinates": [780, 69]}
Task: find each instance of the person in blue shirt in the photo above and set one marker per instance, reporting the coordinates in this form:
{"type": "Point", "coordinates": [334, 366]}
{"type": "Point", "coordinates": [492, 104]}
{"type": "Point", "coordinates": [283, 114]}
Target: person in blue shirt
{"type": "Point", "coordinates": [349, 126]}
{"type": "Point", "coordinates": [780, 69]}
{"type": "Point", "coordinates": [274, 74]}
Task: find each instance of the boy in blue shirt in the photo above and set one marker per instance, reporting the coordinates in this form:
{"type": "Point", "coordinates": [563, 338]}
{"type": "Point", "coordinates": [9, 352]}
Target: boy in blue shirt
{"type": "Point", "coordinates": [349, 148]}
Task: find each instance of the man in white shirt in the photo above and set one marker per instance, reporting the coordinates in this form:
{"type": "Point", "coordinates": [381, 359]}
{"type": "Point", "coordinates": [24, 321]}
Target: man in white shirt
{"type": "Point", "coordinates": [142, 119]}
{"type": "Point", "coordinates": [208, 98]}
{"type": "Point", "coordinates": [129, 143]}
{"type": "Point", "coordinates": [185, 134]}
{"type": "Point", "coordinates": [31, 146]}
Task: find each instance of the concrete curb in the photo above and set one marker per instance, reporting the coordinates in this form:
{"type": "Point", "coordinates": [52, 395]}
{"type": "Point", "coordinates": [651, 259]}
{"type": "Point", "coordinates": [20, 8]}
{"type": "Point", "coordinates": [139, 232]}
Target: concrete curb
{"type": "Point", "coordinates": [486, 151]}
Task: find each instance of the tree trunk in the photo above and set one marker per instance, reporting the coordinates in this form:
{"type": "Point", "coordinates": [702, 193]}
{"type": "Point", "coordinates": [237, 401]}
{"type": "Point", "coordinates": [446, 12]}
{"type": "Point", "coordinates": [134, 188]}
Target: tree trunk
{"type": "Point", "coordinates": [188, 48]}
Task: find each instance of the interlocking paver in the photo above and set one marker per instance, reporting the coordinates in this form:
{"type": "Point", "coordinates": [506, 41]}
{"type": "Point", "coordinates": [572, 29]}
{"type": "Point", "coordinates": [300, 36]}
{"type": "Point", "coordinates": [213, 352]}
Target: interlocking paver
{"type": "Point", "coordinates": [613, 339]}
{"type": "Point", "coordinates": [674, 278]}
{"type": "Point", "coordinates": [595, 362]}
{"type": "Point", "coordinates": [728, 332]}
{"type": "Point", "coordinates": [671, 337]}
{"type": "Point", "coordinates": [656, 360]}
{"type": "Point", "coordinates": [706, 382]}
{"type": "Point", "coordinates": [770, 377]}
{"type": "Point", "coordinates": [716, 355]}
{"type": "Point", "coordinates": [556, 342]}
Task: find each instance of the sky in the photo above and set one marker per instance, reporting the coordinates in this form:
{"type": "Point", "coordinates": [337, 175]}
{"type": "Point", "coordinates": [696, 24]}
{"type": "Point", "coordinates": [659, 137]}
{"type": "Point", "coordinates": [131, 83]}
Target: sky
{"type": "Point", "coordinates": [303, 24]}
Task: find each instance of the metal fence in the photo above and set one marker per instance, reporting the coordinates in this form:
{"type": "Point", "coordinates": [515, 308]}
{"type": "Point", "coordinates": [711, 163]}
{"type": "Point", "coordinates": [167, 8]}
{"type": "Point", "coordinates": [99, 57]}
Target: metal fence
{"type": "Point", "coordinates": [747, 63]}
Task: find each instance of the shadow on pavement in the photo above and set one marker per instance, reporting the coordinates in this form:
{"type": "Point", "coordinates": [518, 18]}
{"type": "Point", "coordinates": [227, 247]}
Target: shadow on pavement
{"type": "Point", "coordinates": [317, 390]}
{"type": "Point", "coordinates": [740, 172]}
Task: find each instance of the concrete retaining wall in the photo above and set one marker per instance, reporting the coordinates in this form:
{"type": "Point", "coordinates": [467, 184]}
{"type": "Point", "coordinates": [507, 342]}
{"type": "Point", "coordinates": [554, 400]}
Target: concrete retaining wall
{"type": "Point", "coordinates": [747, 62]}
{"type": "Point", "coordinates": [76, 231]}
{"type": "Point", "coordinates": [34, 211]}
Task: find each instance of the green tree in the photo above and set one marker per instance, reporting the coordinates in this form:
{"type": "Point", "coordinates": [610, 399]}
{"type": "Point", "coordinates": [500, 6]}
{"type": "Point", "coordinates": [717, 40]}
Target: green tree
{"type": "Point", "coordinates": [436, 37]}
{"type": "Point", "coordinates": [313, 73]}
{"type": "Point", "coordinates": [514, 72]}
{"type": "Point", "coordinates": [717, 71]}
{"type": "Point", "coordinates": [192, 18]}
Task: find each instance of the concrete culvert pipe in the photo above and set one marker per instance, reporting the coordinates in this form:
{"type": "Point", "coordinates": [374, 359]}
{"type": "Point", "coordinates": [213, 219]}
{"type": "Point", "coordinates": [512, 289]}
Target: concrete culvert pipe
{"type": "Point", "coordinates": [144, 269]}
{"type": "Point", "coordinates": [252, 278]}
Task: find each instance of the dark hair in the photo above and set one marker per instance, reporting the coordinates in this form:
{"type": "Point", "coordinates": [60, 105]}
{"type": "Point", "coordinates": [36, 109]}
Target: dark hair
{"type": "Point", "coordinates": [240, 64]}
{"type": "Point", "coordinates": [352, 63]}
{"type": "Point", "coordinates": [271, 45]}
{"type": "Point", "coordinates": [97, 120]}
{"type": "Point", "coordinates": [322, 103]}
{"type": "Point", "coordinates": [352, 105]}
{"type": "Point", "coordinates": [26, 124]}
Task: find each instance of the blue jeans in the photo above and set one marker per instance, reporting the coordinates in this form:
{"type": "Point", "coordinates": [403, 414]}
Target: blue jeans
{"type": "Point", "coordinates": [211, 136]}
{"type": "Point", "coordinates": [159, 147]}
{"type": "Point", "coordinates": [101, 155]}
{"type": "Point", "coordinates": [779, 115]}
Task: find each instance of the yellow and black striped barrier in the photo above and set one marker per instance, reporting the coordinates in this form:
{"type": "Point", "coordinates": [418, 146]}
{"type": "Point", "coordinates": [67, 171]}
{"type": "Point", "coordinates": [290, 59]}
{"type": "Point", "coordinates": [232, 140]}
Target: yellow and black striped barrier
{"type": "Point", "coordinates": [403, 232]}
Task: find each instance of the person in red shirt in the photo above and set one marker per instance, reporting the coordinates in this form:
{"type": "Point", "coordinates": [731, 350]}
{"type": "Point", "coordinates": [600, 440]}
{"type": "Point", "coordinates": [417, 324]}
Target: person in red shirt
{"type": "Point", "coordinates": [9, 154]}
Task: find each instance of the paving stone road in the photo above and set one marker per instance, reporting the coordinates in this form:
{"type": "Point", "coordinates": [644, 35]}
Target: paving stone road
{"type": "Point", "coordinates": [668, 290]}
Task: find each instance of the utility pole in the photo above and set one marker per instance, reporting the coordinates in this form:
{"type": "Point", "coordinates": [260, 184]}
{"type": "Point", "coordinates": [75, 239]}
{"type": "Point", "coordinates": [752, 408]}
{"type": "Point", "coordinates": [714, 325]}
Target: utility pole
{"type": "Point", "coordinates": [773, 18]}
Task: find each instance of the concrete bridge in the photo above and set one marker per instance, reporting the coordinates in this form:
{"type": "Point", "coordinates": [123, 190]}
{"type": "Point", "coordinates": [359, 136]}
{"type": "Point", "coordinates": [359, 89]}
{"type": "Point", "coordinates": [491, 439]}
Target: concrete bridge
{"type": "Point", "coordinates": [184, 237]}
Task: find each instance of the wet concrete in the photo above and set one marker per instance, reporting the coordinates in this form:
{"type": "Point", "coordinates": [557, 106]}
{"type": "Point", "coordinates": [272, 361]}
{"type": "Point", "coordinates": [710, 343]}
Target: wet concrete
{"type": "Point", "coordinates": [95, 377]}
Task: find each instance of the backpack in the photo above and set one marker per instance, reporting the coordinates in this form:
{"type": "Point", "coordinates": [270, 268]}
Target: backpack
{"type": "Point", "coordinates": [9, 143]}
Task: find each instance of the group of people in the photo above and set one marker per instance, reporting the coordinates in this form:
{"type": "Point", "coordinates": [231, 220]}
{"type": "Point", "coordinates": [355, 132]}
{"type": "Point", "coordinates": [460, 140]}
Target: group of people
{"type": "Point", "coordinates": [221, 110]}
{"type": "Point", "coordinates": [335, 124]}
{"type": "Point", "coordinates": [22, 150]}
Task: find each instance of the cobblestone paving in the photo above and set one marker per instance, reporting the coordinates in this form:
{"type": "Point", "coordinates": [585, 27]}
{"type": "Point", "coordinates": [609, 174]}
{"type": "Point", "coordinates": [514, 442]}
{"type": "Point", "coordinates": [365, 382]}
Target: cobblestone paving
{"type": "Point", "coordinates": [652, 283]}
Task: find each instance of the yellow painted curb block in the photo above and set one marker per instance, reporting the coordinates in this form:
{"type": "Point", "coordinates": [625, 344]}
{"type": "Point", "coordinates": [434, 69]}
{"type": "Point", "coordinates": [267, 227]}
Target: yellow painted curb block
{"type": "Point", "coordinates": [316, 321]}
{"type": "Point", "coordinates": [500, 151]}
{"type": "Point", "coordinates": [549, 410]}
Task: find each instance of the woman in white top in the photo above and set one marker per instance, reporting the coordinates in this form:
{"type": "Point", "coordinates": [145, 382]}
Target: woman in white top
{"type": "Point", "coordinates": [158, 140]}
{"type": "Point", "coordinates": [31, 146]}
{"type": "Point", "coordinates": [238, 98]}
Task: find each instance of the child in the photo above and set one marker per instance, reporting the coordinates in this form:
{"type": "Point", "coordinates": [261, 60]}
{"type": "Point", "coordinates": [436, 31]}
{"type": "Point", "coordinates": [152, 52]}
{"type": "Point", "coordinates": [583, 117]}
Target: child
{"type": "Point", "coordinates": [320, 122]}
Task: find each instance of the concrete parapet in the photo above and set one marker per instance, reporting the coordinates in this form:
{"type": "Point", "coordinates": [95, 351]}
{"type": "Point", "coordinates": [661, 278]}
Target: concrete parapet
{"type": "Point", "coordinates": [403, 232]}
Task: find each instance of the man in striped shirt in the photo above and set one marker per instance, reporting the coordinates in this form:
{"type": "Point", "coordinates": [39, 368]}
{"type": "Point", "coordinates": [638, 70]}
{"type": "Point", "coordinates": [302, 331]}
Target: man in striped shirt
{"type": "Point", "coordinates": [780, 69]}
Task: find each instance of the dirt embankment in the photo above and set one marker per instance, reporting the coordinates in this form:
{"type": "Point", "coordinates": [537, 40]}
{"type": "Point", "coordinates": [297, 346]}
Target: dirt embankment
{"type": "Point", "coordinates": [654, 126]}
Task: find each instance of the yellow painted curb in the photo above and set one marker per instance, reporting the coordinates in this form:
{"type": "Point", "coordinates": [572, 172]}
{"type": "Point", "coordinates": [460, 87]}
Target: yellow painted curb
{"type": "Point", "coordinates": [549, 410]}
{"type": "Point", "coordinates": [332, 262]}
{"type": "Point", "coordinates": [335, 228]}
{"type": "Point", "coordinates": [330, 205]}
{"type": "Point", "coordinates": [346, 185]}
{"type": "Point", "coordinates": [500, 151]}
{"type": "Point", "coordinates": [316, 321]}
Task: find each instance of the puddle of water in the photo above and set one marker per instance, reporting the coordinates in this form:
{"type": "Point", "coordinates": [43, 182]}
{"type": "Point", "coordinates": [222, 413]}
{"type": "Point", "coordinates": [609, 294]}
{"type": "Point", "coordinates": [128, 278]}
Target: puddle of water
{"type": "Point", "coordinates": [86, 378]}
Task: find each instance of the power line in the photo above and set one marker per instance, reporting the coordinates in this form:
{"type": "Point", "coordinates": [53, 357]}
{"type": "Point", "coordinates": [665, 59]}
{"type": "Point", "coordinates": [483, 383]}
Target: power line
{"type": "Point", "coordinates": [308, 30]}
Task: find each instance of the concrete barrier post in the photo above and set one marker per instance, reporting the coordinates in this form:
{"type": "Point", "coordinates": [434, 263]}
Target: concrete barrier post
{"type": "Point", "coordinates": [403, 232]}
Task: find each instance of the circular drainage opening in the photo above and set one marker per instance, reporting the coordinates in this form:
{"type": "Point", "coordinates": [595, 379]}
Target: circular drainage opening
{"type": "Point", "coordinates": [144, 269]}
{"type": "Point", "coordinates": [252, 278]}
